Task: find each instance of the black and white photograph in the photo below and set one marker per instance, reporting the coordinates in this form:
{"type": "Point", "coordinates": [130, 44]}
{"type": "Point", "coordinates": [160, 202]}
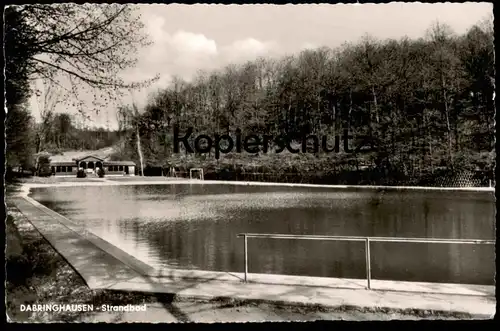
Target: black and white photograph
{"type": "Point", "coordinates": [224, 163]}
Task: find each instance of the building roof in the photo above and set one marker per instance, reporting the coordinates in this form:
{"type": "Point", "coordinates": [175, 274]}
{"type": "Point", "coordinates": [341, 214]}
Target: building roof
{"type": "Point", "coordinates": [129, 163]}
{"type": "Point", "coordinates": [88, 157]}
{"type": "Point", "coordinates": [103, 153]}
{"type": "Point", "coordinates": [104, 163]}
{"type": "Point", "coordinates": [63, 163]}
{"type": "Point", "coordinates": [43, 153]}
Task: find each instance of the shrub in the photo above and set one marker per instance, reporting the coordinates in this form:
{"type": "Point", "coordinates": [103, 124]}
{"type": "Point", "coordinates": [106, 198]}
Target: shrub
{"type": "Point", "coordinates": [100, 172]}
{"type": "Point", "coordinates": [81, 173]}
{"type": "Point", "coordinates": [44, 169]}
{"type": "Point", "coordinates": [44, 173]}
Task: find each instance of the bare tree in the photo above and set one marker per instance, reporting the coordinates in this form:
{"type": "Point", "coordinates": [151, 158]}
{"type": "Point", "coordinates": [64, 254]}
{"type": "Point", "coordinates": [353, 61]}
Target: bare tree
{"type": "Point", "coordinates": [48, 97]}
{"type": "Point", "coordinates": [87, 45]}
{"type": "Point", "coordinates": [446, 75]}
{"type": "Point", "coordinates": [138, 136]}
{"type": "Point", "coordinates": [129, 120]}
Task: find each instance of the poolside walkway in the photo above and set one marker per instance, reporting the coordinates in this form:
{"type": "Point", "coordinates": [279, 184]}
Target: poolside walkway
{"type": "Point", "coordinates": [104, 266]}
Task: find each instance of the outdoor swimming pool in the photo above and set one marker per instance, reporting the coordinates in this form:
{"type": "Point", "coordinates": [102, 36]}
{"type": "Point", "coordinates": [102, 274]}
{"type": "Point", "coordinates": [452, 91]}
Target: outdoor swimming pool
{"type": "Point", "coordinates": [194, 226]}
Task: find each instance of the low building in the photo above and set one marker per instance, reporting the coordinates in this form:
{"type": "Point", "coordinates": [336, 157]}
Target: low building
{"type": "Point", "coordinates": [62, 168]}
{"type": "Point", "coordinates": [119, 168]}
{"type": "Point", "coordinates": [90, 164]}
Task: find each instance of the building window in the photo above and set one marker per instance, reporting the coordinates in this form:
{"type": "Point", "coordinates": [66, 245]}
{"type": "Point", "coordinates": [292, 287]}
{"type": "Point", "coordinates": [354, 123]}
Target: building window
{"type": "Point", "coordinates": [69, 169]}
{"type": "Point", "coordinates": [121, 168]}
{"type": "Point", "coordinates": [58, 169]}
{"type": "Point", "coordinates": [63, 168]}
{"type": "Point", "coordinates": [53, 170]}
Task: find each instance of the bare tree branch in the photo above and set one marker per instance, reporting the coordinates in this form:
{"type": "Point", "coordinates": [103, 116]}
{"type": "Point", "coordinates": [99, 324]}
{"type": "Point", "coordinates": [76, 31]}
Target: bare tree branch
{"type": "Point", "coordinates": [90, 45]}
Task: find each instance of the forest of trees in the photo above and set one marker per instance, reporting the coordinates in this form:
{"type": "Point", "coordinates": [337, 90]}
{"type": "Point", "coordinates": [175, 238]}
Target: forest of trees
{"type": "Point", "coordinates": [59, 133]}
{"type": "Point", "coordinates": [425, 104]}
{"type": "Point", "coordinates": [77, 51]}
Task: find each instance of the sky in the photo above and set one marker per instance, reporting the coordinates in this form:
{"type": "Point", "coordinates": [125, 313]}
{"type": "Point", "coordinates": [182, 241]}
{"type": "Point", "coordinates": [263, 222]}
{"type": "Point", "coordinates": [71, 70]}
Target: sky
{"type": "Point", "coordinates": [190, 38]}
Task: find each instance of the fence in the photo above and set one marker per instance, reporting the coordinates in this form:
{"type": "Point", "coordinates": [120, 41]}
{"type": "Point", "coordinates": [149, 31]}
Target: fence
{"type": "Point", "coordinates": [367, 241]}
{"type": "Point", "coordinates": [362, 177]}
{"type": "Point", "coordinates": [344, 177]}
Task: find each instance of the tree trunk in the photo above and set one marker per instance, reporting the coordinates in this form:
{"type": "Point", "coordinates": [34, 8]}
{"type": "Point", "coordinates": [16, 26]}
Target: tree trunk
{"type": "Point", "coordinates": [139, 151]}
{"type": "Point", "coordinates": [430, 144]}
{"type": "Point", "coordinates": [448, 126]}
{"type": "Point", "coordinates": [38, 143]}
{"type": "Point", "coordinates": [350, 110]}
{"type": "Point", "coordinates": [375, 104]}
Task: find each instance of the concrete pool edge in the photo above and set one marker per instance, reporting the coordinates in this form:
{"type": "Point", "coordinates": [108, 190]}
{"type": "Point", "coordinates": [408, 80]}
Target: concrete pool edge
{"type": "Point", "coordinates": [327, 292]}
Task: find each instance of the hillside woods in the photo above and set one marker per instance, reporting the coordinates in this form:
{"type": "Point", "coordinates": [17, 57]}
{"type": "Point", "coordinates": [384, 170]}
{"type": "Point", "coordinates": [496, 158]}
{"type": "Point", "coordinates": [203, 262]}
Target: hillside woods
{"type": "Point", "coordinates": [426, 106]}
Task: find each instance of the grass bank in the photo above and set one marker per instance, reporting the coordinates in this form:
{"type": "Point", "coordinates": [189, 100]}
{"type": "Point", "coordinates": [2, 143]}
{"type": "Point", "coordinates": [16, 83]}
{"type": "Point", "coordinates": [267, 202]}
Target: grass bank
{"type": "Point", "coordinates": [37, 274]}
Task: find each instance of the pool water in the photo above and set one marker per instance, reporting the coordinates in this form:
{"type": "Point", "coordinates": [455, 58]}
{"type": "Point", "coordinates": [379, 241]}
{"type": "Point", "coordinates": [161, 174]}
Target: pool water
{"type": "Point", "coordinates": [194, 226]}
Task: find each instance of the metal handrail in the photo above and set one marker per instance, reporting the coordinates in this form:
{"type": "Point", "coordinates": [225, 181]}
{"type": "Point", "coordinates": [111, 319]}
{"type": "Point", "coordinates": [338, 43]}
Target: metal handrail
{"type": "Point", "coordinates": [367, 241]}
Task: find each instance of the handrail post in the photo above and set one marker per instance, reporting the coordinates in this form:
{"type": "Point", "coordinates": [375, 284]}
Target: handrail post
{"type": "Point", "coordinates": [368, 263]}
{"type": "Point", "coordinates": [245, 250]}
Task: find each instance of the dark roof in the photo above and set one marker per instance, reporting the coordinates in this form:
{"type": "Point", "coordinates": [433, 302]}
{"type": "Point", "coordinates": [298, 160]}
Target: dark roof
{"type": "Point", "coordinates": [88, 156]}
{"type": "Point", "coordinates": [63, 163]}
{"type": "Point", "coordinates": [106, 163]}
{"type": "Point", "coordinates": [42, 154]}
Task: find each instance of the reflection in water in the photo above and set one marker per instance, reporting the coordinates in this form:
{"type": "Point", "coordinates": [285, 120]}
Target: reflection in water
{"type": "Point", "coordinates": [195, 227]}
